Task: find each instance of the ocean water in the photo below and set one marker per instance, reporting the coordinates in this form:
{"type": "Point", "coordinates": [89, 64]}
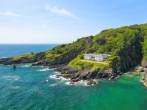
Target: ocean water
{"type": "Point", "coordinates": [8, 50]}
{"type": "Point", "coordinates": [34, 88]}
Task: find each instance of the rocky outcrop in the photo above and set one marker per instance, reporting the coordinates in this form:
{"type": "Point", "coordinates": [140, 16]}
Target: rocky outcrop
{"type": "Point", "coordinates": [24, 59]}
{"type": "Point", "coordinates": [139, 69]}
{"type": "Point", "coordinates": [10, 61]}
{"type": "Point", "coordinates": [76, 75]}
{"type": "Point", "coordinates": [4, 60]}
{"type": "Point", "coordinates": [91, 82]}
{"type": "Point", "coordinates": [144, 79]}
{"type": "Point", "coordinates": [145, 70]}
{"type": "Point", "coordinates": [142, 69]}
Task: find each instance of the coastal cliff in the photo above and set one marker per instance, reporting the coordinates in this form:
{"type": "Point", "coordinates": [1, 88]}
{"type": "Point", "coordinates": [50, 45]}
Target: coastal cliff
{"type": "Point", "coordinates": [127, 46]}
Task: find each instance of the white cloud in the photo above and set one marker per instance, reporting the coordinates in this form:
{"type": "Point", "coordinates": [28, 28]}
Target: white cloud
{"type": "Point", "coordinates": [8, 13]}
{"type": "Point", "coordinates": [55, 9]}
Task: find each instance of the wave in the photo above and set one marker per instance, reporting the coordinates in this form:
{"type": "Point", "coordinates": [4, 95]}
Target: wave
{"type": "Point", "coordinates": [45, 69]}
{"type": "Point", "coordinates": [56, 72]}
{"type": "Point", "coordinates": [54, 77]}
{"type": "Point", "coordinates": [26, 66]}
{"type": "Point", "coordinates": [10, 77]}
{"type": "Point", "coordinates": [38, 66]}
{"type": "Point", "coordinates": [79, 83]}
{"type": "Point", "coordinates": [51, 69]}
{"type": "Point", "coordinates": [68, 82]}
{"type": "Point", "coordinates": [52, 85]}
{"type": "Point", "coordinates": [64, 79]}
{"type": "Point", "coordinates": [58, 77]}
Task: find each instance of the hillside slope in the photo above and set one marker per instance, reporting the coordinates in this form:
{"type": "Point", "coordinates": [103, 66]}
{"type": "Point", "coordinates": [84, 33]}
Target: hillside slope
{"type": "Point", "coordinates": [127, 45]}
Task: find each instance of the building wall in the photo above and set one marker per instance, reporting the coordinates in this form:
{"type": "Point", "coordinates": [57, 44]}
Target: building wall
{"type": "Point", "coordinates": [97, 57]}
{"type": "Point", "coordinates": [87, 57]}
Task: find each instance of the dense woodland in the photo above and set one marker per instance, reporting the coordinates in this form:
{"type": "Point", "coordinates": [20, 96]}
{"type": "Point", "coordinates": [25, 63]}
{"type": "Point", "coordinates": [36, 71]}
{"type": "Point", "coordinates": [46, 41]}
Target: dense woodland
{"type": "Point", "coordinates": [128, 44]}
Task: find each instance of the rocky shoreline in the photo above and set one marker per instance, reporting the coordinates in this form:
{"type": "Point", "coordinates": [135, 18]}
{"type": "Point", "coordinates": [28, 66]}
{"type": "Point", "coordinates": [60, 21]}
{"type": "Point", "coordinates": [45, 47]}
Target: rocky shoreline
{"type": "Point", "coordinates": [67, 72]}
{"type": "Point", "coordinates": [144, 71]}
{"type": "Point", "coordinates": [144, 79]}
{"type": "Point", "coordinates": [75, 75]}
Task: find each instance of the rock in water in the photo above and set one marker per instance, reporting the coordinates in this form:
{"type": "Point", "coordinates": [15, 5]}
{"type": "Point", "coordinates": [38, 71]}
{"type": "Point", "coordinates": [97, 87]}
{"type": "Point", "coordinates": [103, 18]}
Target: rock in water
{"type": "Point", "coordinates": [91, 82]}
{"type": "Point", "coordinates": [14, 66]}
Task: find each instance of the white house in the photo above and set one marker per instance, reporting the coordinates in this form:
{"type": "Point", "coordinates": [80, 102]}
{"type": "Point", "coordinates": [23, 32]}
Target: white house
{"type": "Point", "coordinates": [97, 57]}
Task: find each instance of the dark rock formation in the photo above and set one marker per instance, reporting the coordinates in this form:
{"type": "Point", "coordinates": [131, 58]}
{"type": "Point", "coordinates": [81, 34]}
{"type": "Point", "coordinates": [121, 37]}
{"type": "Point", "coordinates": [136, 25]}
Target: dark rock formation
{"type": "Point", "coordinates": [76, 75]}
{"type": "Point", "coordinates": [91, 82]}
{"type": "Point", "coordinates": [144, 79]}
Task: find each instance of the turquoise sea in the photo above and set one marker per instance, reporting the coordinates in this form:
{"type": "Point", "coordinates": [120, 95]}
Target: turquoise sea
{"type": "Point", "coordinates": [33, 88]}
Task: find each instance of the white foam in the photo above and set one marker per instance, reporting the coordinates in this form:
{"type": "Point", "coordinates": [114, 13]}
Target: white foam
{"type": "Point", "coordinates": [51, 69]}
{"type": "Point", "coordinates": [52, 85]}
{"type": "Point", "coordinates": [79, 83]}
{"type": "Point", "coordinates": [10, 77]}
{"type": "Point", "coordinates": [54, 77]}
{"type": "Point", "coordinates": [26, 66]}
{"type": "Point", "coordinates": [96, 80]}
{"type": "Point", "coordinates": [64, 79]}
{"type": "Point", "coordinates": [56, 72]}
{"type": "Point", "coordinates": [68, 83]}
{"type": "Point", "coordinates": [59, 77]}
{"type": "Point", "coordinates": [38, 66]}
{"type": "Point", "coordinates": [45, 69]}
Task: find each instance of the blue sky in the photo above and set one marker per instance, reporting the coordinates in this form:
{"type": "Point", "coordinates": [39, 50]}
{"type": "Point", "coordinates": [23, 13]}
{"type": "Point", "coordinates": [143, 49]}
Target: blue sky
{"type": "Point", "coordinates": [63, 21]}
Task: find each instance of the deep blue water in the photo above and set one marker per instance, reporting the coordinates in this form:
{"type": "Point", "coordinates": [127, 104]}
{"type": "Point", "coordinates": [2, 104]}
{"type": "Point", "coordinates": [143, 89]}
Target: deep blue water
{"type": "Point", "coordinates": [33, 88]}
{"type": "Point", "coordinates": [17, 49]}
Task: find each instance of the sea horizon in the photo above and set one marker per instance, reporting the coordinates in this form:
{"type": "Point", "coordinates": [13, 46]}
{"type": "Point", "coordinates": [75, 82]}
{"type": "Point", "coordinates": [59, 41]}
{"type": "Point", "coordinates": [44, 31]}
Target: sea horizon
{"type": "Point", "coordinates": [18, 49]}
